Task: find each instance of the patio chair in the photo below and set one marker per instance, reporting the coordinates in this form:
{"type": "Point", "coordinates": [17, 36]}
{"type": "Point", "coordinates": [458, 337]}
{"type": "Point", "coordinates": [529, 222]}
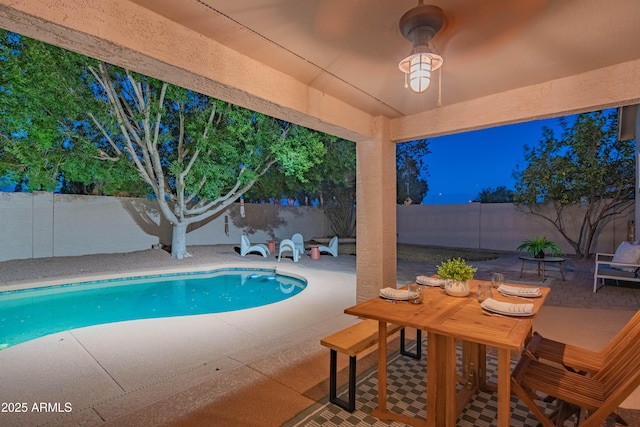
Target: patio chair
{"type": "Point", "coordinates": [332, 248]}
{"type": "Point", "coordinates": [580, 359]}
{"type": "Point", "coordinates": [597, 394]}
{"type": "Point", "coordinates": [287, 245]}
{"type": "Point", "coordinates": [246, 247]}
{"type": "Point", "coordinates": [298, 241]}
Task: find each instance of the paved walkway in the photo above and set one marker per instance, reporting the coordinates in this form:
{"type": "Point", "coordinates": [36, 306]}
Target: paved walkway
{"type": "Point", "coordinates": [255, 367]}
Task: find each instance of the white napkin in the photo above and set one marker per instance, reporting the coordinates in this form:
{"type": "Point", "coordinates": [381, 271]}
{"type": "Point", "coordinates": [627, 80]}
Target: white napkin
{"type": "Point", "coordinates": [507, 307]}
{"type": "Point", "coordinates": [429, 281]}
{"type": "Point", "coordinates": [518, 290]}
{"type": "Point", "coordinates": [398, 294]}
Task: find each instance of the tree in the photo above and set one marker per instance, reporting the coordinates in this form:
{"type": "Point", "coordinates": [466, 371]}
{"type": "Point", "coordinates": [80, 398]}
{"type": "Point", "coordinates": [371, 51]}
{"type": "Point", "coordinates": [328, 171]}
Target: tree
{"type": "Point", "coordinates": [72, 122]}
{"type": "Point", "coordinates": [332, 182]}
{"type": "Point", "coordinates": [501, 194]}
{"type": "Point", "coordinates": [198, 155]}
{"type": "Point", "coordinates": [410, 166]}
{"type": "Point", "coordinates": [45, 93]}
{"type": "Point", "coordinates": [588, 167]}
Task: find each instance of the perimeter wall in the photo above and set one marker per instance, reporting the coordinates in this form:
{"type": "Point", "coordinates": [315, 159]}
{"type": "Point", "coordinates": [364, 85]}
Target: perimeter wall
{"type": "Point", "coordinates": [41, 224]}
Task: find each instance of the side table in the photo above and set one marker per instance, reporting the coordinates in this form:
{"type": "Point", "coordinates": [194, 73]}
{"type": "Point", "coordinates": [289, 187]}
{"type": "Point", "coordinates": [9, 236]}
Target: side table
{"type": "Point", "coordinates": [271, 245]}
{"type": "Point", "coordinates": [542, 264]}
{"type": "Point", "coordinates": [315, 252]}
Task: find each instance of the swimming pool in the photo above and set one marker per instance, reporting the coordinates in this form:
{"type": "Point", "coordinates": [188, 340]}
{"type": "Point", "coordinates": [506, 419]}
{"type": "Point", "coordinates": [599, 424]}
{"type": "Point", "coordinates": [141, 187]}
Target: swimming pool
{"type": "Point", "coordinates": [33, 313]}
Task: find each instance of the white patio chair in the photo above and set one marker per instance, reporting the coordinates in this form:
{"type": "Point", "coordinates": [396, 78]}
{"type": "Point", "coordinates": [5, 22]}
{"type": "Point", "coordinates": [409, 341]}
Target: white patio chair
{"type": "Point", "coordinates": [287, 245]}
{"type": "Point", "coordinates": [246, 247]}
{"type": "Point", "coordinates": [332, 248]}
{"type": "Point", "coordinates": [298, 241]}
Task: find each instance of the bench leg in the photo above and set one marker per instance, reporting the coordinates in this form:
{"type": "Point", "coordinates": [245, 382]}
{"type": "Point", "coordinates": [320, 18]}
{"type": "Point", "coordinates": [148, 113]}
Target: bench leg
{"type": "Point", "coordinates": [333, 383]}
{"type": "Point", "coordinates": [416, 354]}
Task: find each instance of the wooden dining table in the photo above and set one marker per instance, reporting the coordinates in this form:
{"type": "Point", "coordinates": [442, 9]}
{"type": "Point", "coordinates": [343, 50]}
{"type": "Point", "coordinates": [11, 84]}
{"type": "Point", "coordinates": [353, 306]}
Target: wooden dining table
{"type": "Point", "coordinates": [450, 320]}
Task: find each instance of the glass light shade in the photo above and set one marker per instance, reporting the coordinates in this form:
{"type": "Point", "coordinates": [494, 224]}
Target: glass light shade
{"type": "Point", "coordinates": [419, 66]}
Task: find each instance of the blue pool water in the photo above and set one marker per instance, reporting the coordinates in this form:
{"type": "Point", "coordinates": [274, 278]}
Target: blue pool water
{"type": "Point", "coordinates": [33, 313]}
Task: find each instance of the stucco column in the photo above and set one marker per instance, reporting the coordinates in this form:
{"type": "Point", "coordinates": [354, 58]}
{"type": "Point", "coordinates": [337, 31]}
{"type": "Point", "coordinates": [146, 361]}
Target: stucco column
{"type": "Point", "coordinates": [637, 189]}
{"type": "Point", "coordinates": [376, 212]}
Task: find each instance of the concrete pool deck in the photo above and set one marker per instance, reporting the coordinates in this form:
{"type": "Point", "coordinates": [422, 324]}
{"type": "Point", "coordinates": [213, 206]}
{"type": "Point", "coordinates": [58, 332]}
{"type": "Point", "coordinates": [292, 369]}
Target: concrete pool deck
{"type": "Point", "coordinates": [259, 366]}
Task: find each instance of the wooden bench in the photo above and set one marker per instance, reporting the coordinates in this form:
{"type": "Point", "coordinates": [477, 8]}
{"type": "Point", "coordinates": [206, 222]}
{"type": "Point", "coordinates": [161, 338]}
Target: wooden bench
{"type": "Point", "coordinates": [353, 341]}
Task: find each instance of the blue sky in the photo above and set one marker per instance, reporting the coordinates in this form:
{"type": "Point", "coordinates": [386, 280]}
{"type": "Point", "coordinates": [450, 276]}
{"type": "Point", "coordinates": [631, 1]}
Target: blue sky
{"type": "Point", "coordinates": [462, 165]}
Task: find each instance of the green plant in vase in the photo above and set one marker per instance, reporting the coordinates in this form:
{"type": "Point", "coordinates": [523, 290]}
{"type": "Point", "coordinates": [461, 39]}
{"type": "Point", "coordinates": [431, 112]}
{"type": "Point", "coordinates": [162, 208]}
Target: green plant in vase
{"type": "Point", "coordinates": [457, 273]}
{"type": "Point", "coordinates": [539, 246]}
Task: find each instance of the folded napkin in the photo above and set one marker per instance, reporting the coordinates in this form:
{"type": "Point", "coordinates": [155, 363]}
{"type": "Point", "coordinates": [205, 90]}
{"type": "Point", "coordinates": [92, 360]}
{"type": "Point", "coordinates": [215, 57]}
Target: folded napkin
{"type": "Point", "coordinates": [429, 281]}
{"type": "Point", "coordinates": [518, 290]}
{"type": "Point", "coordinates": [507, 307]}
{"type": "Point", "coordinates": [398, 294]}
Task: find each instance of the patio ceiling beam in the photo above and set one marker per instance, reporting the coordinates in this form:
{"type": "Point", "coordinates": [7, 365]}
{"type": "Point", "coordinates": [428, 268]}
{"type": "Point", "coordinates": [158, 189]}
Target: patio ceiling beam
{"type": "Point", "coordinates": [608, 87]}
{"type": "Point", "coordinates": [130, 36]}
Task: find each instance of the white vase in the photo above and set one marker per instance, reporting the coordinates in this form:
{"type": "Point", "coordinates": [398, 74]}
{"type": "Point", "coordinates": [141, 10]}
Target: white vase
{"type": "Point", "coordinates": [456, 288]}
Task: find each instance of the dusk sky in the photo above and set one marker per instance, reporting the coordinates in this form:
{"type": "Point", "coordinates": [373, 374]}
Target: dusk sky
{"type": "Point", "coordinates": [462, 165]}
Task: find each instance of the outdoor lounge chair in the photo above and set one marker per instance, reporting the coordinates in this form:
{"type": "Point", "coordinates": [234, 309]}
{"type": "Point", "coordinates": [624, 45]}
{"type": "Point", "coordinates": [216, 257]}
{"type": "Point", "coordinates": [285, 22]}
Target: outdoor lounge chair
{"type": "Point", "coordinates": [332, 248]}
{"type": "Point", "coordinates": [298, 241]}
{"type": "Point", "coordinates": [246, 247]}
{"type": "Point", "coordinates": [288, 245]}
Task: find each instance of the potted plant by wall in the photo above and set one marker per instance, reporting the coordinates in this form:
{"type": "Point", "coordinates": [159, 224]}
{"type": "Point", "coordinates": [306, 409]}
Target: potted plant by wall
{"type": "Point", "coordinates": [539, 246]}
{"type": "Point", "coordinates": [457, 273]}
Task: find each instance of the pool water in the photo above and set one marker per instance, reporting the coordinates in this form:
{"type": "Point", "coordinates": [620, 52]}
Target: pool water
{"type": "Point", "coordinates": [33, 313]}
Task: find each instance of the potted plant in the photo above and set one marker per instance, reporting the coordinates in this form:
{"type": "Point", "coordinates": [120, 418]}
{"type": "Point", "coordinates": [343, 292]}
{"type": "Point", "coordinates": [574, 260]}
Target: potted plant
{"type": "Point", "coordinates": [457, 273]}
{"type": "Point", "coordinates": [538, 246]}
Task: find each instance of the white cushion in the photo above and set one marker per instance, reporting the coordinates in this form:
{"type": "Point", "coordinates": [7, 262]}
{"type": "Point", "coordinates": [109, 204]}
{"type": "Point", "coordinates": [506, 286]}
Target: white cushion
{"type": "Point", "coordinates": [626, 253]}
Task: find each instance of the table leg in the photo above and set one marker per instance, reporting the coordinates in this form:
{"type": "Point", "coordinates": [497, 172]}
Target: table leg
{"type": "Point", "coordinates": [504, 387]}
{"type": "Point", "coordinates": [521, 268]}
{"type": "Point", "coordinates": [441, 381]}
{"type": "Point", "coordinates": [562, 271]}
{"type": "Point", "coordinates": [381, 410]}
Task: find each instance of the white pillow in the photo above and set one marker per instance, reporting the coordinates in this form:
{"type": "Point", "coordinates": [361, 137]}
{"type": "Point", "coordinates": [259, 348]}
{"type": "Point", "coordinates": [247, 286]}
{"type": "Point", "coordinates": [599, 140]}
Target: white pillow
{"type": "Point", "coordinates": [627, 253]}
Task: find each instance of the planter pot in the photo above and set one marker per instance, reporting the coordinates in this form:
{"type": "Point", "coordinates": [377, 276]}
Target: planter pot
{"type": "Point", "coordinates": [456, 288]}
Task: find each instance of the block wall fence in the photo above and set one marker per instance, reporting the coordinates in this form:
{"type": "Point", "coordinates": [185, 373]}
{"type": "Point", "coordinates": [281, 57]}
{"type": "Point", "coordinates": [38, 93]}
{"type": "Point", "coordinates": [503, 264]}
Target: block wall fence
{"type": "Point", "coordinates": [41, 224]}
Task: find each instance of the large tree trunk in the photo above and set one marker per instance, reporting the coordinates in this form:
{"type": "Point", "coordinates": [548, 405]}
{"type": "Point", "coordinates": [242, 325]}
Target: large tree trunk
{"type": "Point", "coordinates": [179, 241]}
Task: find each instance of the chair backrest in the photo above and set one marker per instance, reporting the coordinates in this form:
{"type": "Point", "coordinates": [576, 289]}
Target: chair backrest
{"type": "Point", "coordinates": [617, 344]}
{"type": "Point", "coordinates": [621, 363]}
{"type": "Point", "coordinates": [298, 240]}
{"type": "Point", "coordinates": [244, 243]}
{"type": "Point", "coordinates": [333, 244]}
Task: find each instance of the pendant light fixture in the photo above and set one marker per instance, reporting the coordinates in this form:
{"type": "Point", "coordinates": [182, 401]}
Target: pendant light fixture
{"type": "Point", "coordinates": [419, 25]}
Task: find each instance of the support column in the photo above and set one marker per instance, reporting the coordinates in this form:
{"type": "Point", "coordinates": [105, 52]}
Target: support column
{"type": "Point", "coordinates": [637, 201]}
{"type": "Point", "coordinates": [376, 212]}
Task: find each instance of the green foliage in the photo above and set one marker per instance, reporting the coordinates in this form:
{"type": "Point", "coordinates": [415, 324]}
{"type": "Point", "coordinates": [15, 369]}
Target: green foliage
{"type": "Point", "coordinates": [456, 269]}
{"type": "Point", "coordinates": [537, 246]}
{"type": "Point", "coordinates": [586, 166]}
{"type": "Point", "coordinates": [410, 166]}
{"type": "Point", "coordinates": [501, 194]}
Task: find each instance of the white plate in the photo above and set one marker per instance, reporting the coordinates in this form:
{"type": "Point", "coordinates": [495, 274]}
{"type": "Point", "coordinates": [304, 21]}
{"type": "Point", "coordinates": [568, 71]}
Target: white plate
{"type": "Point", "coordinates": [395, 298]}
{"type": "Point", "coordinates": [516, 291]}
{"type": "Point", "coordinates": [515, 294]}
{"type": "Point", "coordinates": [429, 281]}
{"type": "Point", "coordinates": [395, 294]}
{"type": "Point", "coordinates": [507, 313]}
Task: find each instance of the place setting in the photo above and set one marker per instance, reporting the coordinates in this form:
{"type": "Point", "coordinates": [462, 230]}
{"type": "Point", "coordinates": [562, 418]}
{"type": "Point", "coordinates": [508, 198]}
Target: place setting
{"type": "Point", "coordinates": [492, 306]}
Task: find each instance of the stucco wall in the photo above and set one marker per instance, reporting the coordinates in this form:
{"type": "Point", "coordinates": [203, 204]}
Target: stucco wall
{"type": "Point", "coordinates": [499, 226]}
{"type": "Point", "coordinates": [42, 224]}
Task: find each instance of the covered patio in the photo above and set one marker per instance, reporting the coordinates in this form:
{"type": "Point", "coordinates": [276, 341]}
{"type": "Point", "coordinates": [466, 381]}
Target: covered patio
{"type": "Point", "coordinates": [333, 66]}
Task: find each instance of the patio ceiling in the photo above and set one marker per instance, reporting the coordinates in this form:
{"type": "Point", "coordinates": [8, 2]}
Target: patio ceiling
{"type": "Point", "coordinates": [505, 61]}
{"type": "Point", "coordinates": [350, 49]}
